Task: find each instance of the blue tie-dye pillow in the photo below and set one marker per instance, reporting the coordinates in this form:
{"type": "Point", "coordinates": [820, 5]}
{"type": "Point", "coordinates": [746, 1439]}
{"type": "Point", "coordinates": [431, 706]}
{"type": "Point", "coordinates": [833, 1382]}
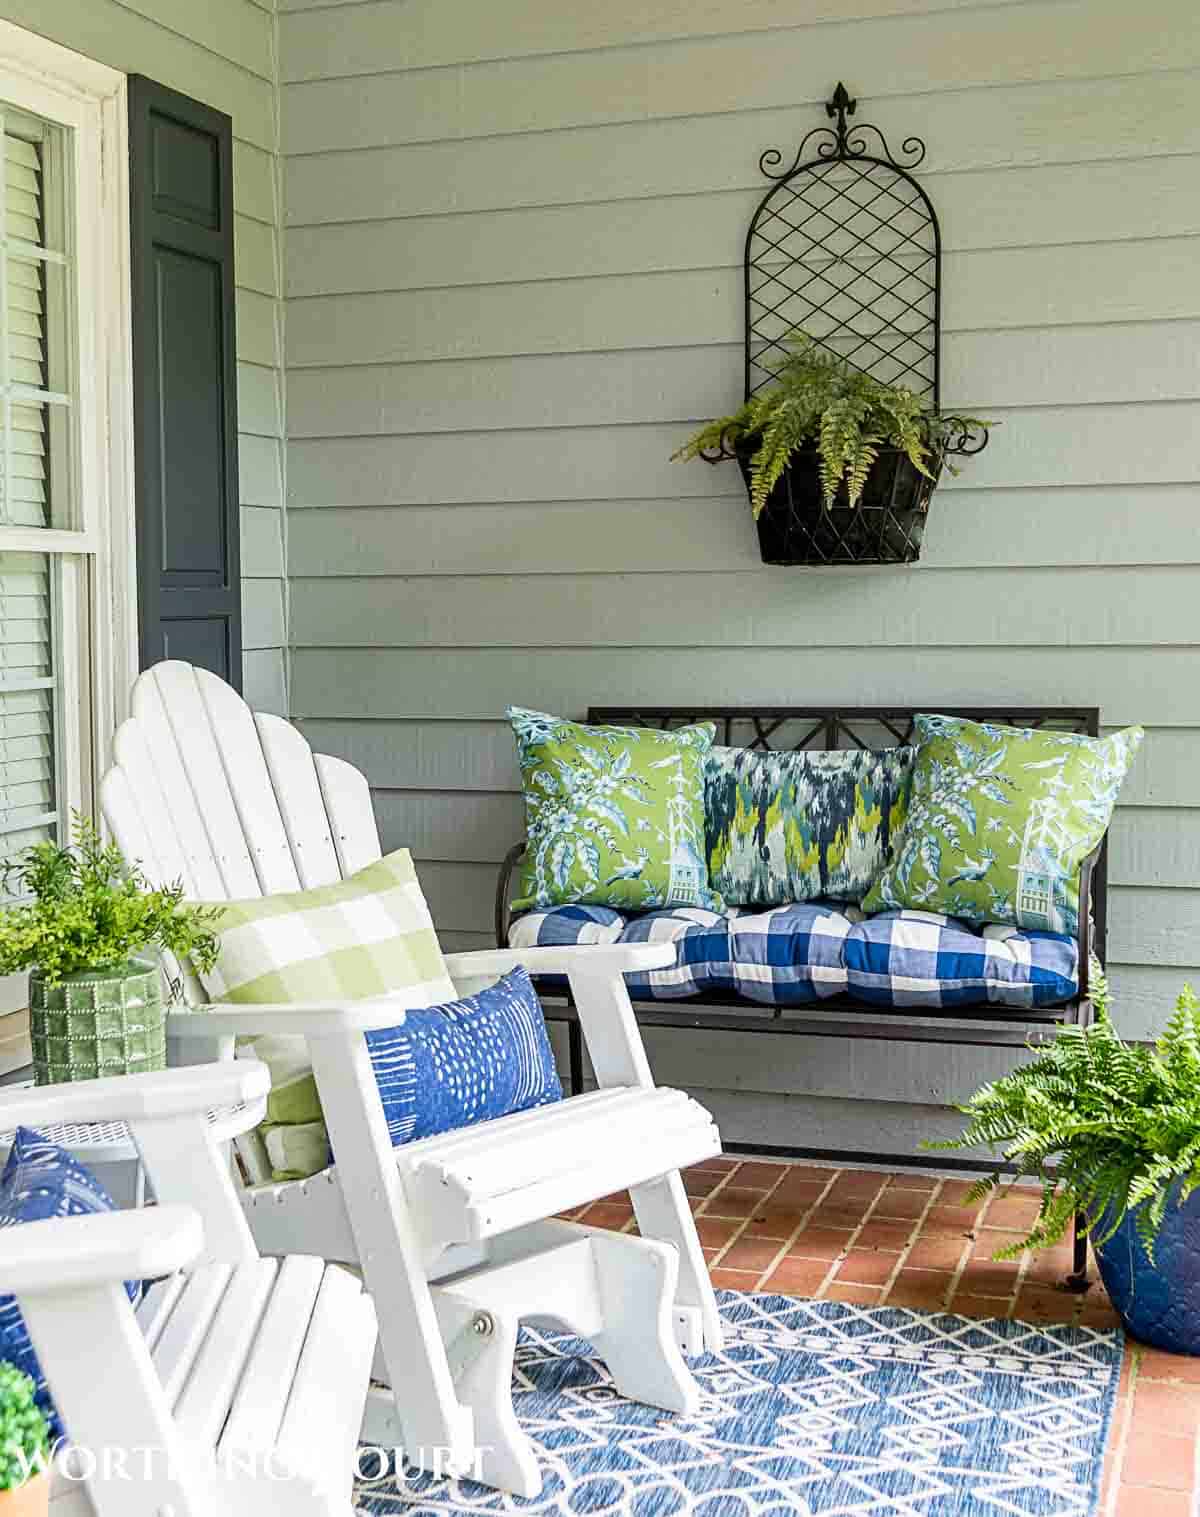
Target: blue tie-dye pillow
{"type": "Point", "coordinates": [42, 1181]}
{"type": "Point", "coordinates": [799, 826]}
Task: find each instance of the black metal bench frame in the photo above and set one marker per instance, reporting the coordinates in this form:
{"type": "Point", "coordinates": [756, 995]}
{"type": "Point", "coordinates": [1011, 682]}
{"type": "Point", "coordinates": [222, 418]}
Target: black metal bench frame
{"type": "Point", "coordinates": [829, 728]}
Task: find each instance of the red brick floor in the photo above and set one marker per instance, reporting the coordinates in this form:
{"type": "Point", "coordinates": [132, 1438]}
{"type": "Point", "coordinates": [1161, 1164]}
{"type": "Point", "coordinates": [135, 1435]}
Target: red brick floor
{"type": "Point", "coordinates": [908, 1240]}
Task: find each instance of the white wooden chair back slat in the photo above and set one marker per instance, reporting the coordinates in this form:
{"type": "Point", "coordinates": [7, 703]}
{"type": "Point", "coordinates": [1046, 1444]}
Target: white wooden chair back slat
{"type": "Point", "coordinates": [176, 846]}
{"type": "Point", "coordinates": [232, 802]}
{"type": "Point", "coordinates": [257, 1412]}
{"type": "Point", "coordinates": [201, 1410]}
{"type": "Point", "coordinates": [167, 704]}
{"type": "Point", "coordinates": [181, 1338]}
{"type": "Point", "coordinates": [290, 764]}
{"type": "Point", "coordinates": [348, 805]}
{"type": "Point", "coordinates": [249, 783]}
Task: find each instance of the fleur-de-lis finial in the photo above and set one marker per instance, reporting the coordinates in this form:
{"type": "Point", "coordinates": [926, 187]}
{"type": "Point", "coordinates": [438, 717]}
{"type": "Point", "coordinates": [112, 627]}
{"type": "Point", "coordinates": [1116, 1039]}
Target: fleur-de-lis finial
{"type": "Point", "coordinates": [840, 106]}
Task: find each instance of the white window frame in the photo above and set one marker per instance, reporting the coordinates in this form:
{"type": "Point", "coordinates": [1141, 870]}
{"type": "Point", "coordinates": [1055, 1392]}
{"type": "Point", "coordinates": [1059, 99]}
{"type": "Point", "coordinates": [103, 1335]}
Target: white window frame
{"type": "Point", "coordinates": [95, 627]}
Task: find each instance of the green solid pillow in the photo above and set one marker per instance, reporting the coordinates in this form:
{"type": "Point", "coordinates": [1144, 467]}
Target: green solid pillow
{"type": "Point", "coordinates": [614, 816]}
{"type": "Point", "coordinates": [1000, 820]}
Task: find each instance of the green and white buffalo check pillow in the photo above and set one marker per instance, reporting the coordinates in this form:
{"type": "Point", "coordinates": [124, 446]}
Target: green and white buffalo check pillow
{"type": "Point", "coordinates": [370, 935]}
{"type": "Point", "coordinates": [366, 936]}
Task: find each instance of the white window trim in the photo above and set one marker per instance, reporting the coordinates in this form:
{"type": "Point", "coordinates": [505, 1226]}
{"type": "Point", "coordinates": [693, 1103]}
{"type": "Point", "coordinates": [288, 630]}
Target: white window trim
{"type": "Point", "coordinates": [55, 83]}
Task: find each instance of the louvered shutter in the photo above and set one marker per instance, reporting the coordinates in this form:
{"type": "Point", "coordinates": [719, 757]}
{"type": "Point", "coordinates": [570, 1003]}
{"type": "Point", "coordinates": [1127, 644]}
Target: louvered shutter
{"type": "Point", "coordinates": [31, 410]}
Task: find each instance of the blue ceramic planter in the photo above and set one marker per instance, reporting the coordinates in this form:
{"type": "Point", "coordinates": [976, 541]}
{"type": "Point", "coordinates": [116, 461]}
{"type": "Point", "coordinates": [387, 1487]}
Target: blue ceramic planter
{"type": "Point", "coordinates": [1159, 1303]}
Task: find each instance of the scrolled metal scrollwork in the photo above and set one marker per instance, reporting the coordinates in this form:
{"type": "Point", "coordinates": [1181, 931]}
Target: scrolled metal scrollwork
{"type": "Point", "coordinates": [842, 142]}
{"type": "Point", "coordinates": [963, 436]}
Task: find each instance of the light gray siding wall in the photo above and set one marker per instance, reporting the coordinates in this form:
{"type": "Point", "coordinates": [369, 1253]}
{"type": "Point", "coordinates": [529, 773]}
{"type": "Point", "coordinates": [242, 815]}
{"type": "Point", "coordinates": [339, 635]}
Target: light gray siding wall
{"type": "Point", "coordinates": [513, 271]}
{"type": "Point", "coordinates": [222, 52]}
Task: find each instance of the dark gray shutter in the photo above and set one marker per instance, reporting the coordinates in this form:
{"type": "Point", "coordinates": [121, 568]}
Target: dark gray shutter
{"type": "Point", "coordinates": [185, 380]}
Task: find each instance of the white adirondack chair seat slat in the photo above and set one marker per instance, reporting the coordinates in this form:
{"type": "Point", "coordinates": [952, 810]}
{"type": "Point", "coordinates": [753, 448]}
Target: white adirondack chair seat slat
{"type": "Point", "coordinates": [202, 1407]}
{"type": "Point", "coordinates": [315, 1432]}
{"type": "Point", "coordinates": [559, 1159]}
{"type": "Point", "coordinates": [187, 1327]}
{"type": "Point", "coordinates": [449, 1231]}
{"type": "Point", "coordinates": [258, 1407]}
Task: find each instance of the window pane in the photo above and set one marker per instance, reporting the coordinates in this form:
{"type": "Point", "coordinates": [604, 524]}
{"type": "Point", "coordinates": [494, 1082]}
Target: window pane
{"type": "Point", "coordinates": [27, 778]}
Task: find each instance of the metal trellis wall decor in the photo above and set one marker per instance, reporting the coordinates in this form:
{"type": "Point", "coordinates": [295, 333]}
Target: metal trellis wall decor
{"type": "Point", "coordinates": [845, 246]}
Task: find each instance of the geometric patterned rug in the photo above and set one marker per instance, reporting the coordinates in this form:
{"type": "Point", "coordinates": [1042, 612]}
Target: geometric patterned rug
{"type": "Point", "coordinates": [813, 1409]}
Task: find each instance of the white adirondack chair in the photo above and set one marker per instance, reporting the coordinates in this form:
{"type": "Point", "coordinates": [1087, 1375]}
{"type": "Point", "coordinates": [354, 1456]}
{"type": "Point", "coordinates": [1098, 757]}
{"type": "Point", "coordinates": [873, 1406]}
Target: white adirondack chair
{"type": "Point", "coordinates": [236, 1387]}
{"type": "Point", "coordinates": [456, 1235]}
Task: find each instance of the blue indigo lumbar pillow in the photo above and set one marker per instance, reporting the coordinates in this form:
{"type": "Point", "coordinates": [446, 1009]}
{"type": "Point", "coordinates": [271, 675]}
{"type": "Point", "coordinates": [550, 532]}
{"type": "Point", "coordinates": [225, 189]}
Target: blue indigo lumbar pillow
{"type": "Point", "coordinates": [42, 1181]}
{"type": "Point", "coordinates": [445, 1067]}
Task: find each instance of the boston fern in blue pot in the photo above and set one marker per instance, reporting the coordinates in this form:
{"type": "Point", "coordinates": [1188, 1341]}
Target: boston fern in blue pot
{"type": "Point", "coordinates": [1112, 1130]}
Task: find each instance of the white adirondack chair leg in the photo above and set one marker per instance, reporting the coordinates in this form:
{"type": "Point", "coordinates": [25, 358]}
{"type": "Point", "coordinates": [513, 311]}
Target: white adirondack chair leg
{"type": "Point", "coordinates": [423, 1393]}
{"type": "Point", "coordinates": [618, 1055]}
{"type": "Point", "coordinates": [480, 1347]}
{"type": "Point", "coordinates": [637, 1279]}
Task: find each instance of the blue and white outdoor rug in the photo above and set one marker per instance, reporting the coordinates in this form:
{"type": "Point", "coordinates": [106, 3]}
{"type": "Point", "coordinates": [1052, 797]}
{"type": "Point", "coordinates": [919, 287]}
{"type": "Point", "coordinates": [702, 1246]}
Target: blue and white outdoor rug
{"type": "Point", "coordinates": [814, 1408]}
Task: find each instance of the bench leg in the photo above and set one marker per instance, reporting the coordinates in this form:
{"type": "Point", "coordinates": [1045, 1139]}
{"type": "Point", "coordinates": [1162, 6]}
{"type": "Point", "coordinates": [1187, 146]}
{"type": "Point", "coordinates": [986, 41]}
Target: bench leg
{"type": "Point", "coordinates": [575, 1055]}
{"type": "Point", "coordinates": [1078, 1280]}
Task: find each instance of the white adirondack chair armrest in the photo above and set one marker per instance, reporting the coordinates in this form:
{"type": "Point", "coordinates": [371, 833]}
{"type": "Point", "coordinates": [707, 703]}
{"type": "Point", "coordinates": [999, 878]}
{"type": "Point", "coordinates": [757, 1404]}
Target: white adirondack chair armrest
{"type": "Point", "coordinates": [40, 1258]}
{"type": "Point", "coordinates": [126, 1098]}
{"type": "Point", "coordinates": [309, 1019]}
{"type": "Point", "coordinates": [601, 959]}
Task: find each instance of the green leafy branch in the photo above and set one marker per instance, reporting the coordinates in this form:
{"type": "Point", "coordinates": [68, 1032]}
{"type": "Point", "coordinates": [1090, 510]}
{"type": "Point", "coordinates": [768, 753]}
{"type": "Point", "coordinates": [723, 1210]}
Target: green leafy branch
{"type": "Point", "coordinates": [818, 398]}
{"type": "Point", "coordinates": [1120, 1121]}
{"type": "Point", "coordinates": [90, 910]}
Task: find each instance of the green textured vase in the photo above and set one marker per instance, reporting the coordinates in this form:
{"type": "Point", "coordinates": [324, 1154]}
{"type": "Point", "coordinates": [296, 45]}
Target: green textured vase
{"type": "Point", "coordinates": [97, 1022]}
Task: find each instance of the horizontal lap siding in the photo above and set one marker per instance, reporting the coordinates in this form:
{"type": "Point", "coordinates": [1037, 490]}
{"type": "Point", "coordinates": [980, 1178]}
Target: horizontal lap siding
{"type": "Point", "coordinates": [223, 53]}
{"type": "Point", "coordinates": [512, 283]}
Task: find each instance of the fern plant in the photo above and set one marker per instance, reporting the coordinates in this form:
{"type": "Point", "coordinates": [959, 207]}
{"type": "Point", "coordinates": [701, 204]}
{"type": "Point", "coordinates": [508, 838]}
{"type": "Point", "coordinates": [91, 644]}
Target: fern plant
{"type": "Point", "coordinates": [1120, 1121]}
{"type": "Point", "coordinates": [90, 910]}
{"type": "Point", "coordinates": [818, 398]}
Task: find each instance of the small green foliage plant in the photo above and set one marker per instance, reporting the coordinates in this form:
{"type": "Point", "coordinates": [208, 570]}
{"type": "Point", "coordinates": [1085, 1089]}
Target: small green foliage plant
{"type": "Point", "coordinates": [817, 398]}
{"type": "Point", "coordinates": [24, 1436]}
{"type": "Point", "coordinates": [90, 910]}
{"type": "Point", "coordinates": [1120, 1121]}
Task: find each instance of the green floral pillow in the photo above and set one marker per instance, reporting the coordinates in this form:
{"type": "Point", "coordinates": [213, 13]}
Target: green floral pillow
{"type": "Point", "coordinates": [1000, 820]}
{"type": "Point", "coordinates": [614, 816]}
{"type": "Point", "coordinates": [796, 826]}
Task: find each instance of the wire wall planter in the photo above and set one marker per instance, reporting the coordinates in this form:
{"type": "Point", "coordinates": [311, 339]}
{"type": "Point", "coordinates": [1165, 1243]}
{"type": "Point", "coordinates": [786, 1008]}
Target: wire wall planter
{"type": "Point", "coordinates": [845, 246]}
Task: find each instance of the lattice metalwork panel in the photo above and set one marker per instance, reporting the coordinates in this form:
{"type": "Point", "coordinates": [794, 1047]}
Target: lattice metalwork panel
{"type": "Point", "coordinates": [791, 728]}
{"type": "Point", "coordinates": [846, 247]}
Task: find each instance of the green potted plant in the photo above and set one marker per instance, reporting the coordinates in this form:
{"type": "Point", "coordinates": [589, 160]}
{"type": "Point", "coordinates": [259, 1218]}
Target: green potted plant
{"type": "Point", "coordinates": [1111, 1131]}
{"type": "Point", "coordinates": [839, 466]}
{"type": "Point", "coordinates": [24, 1448]}
{"type": "Point", "coordinates": [94, 1007]}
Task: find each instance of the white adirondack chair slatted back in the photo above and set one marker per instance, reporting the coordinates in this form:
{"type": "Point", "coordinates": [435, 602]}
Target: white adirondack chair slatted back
{"type": "Point", "coordinates": [232, 803]}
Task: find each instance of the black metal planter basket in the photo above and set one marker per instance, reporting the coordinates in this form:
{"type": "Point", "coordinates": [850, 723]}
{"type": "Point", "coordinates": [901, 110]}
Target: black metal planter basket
{"type": "Point", "coordinates": [845, 247]}
{"type": "Point", "coordinates": [796, 527]}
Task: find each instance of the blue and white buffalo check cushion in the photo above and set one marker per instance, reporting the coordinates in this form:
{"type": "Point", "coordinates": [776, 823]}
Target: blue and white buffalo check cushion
{"type": "Point", "coordinates": [798, 954]}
